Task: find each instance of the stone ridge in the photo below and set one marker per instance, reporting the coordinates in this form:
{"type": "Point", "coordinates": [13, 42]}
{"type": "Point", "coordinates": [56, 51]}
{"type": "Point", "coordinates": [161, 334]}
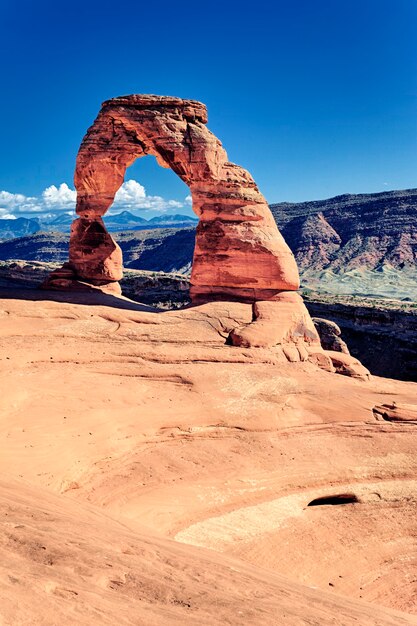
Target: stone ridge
{"type": "Point", "coordinates": [286, 211]}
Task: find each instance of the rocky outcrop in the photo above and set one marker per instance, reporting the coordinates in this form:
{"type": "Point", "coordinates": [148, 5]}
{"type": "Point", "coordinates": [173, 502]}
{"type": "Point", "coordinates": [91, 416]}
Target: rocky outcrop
{"type": "Point", "coordinates": [239, 251]}
{"type": "Point", "coordinates": [284, 321]}
{"type": "Point", "coordinates": [383, 339]}
{"type": "Point", "coordinates": [330, 335]}
{"type": "Point", "coordinates": [348, 365]}
{"type": "Point", "coordinates": [396, 412]}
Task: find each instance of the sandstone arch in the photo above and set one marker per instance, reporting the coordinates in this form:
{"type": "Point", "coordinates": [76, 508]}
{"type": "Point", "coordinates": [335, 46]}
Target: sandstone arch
{"type": "Point", "coordinates": [239, 254]}
{"type": "Point", "coordinates": [239, 250]}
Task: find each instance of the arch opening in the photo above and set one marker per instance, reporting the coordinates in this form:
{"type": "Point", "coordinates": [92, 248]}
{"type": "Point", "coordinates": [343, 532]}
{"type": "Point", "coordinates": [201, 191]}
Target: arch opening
{"type": "Point", "coordinates": [168, 249]}
{"type": "Point", "coordinates": [158, 182]}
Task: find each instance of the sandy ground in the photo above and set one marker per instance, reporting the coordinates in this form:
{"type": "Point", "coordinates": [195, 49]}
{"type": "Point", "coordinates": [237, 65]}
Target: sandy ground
{"type": "Point", "coordinates": [151, 474]}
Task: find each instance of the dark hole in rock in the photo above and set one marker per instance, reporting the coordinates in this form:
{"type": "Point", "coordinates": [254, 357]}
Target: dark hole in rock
{"type": "Point", "coordinates": [341, 498]}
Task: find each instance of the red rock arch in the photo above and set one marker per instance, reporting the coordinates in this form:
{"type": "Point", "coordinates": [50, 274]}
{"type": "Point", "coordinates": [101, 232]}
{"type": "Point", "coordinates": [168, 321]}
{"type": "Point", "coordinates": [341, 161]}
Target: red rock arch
{"type": "Point", "coordinates": [239, 254]}
{"type": "Point", "coordinates": [239, 251]}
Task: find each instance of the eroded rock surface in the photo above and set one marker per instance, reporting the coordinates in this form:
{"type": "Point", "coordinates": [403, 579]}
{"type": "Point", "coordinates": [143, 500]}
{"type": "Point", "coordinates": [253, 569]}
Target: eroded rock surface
{"type": "Point", "coordinates": [284, 321]}
{"type": "Point", "coordinates": [330, 335]}
{"type": "Point", "coordinates": [396, 412]}
{"type": "Point", "coordinates": [239, 252]}
{"type": "Point", "coordinates": [151, 424]}
{"type": "Point", "coordinates": [347, 365]}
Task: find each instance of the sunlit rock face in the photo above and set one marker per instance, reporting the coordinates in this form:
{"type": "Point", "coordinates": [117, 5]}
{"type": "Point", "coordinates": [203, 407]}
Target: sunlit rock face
{"type": "Point", "coordinates": [239, 252]}
{"type": "Point", "coordinates": [94, 252]}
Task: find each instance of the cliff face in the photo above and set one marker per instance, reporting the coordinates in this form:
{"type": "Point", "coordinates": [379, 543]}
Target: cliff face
{"type": "Point", "coordinates": [314, 242]}
{"type": "Point", "coordinates": [384, 340]}
{"type": "Point", "coordinates": [364, 230]}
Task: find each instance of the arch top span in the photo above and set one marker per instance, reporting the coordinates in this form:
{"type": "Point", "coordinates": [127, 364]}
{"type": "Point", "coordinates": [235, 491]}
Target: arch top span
{"type": "Point", "coordinates": [239, 252]}
{"type": "Point", "coordinates": [191, 109]}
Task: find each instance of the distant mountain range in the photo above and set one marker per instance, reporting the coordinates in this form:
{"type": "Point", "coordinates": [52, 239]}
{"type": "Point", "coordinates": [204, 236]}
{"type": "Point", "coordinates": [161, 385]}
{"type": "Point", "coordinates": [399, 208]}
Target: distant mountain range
{"type": "Point", "coordinates": [163, 249]}
{"type": "Point", "coordinates": [349, 232]}
{"type": "Point", "coordinates": [18, 227]}
{"type": "Point", "coordinates": [352, 231]}
{"type": "Point", "coordinates": [61, 223]}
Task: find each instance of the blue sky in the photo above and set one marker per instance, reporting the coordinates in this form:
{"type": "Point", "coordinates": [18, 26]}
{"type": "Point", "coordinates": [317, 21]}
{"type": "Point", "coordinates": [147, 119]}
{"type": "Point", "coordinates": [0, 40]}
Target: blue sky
{"type": "Point", "coordinates": [314, 97]}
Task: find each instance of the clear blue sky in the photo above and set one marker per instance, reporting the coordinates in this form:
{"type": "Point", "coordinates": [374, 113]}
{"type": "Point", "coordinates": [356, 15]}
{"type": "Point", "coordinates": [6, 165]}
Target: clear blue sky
{"type": "Point", "coordinates": [315, 97]}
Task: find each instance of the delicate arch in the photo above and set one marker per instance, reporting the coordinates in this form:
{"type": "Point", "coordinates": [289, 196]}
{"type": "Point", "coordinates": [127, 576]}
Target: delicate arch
{"type": "Point", "coordinates": [239, 251]}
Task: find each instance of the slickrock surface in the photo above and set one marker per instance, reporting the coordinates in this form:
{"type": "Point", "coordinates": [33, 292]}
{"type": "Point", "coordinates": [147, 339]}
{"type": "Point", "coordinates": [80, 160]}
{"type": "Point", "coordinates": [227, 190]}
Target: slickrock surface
{"type": "Point", "coordinates": [239, 252]}
{"type": "Point", "coordinates": [118, 422]}
{"type": "Point", "coordinates": [116, 573]}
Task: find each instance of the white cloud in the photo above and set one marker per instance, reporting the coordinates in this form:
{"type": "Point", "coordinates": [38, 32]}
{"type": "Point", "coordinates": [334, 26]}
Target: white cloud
{"type": "Point", "coordinates": [61, 197]}
{"type": "Point", "coordinates": [18, 203]}
{"type": "Point", "coordinates": [188, 200]}
{"type": "Point", "coordinates": [131, 196]}
{"type": "Point", "coordinates": [5, 215]}
{"type": "Point", "coordinates": [130, 192]}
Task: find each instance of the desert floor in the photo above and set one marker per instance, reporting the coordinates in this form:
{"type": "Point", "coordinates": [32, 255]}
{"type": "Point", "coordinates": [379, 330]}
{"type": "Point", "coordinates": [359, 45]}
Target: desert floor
{"type": "Point", "coordinates": [152, 474]}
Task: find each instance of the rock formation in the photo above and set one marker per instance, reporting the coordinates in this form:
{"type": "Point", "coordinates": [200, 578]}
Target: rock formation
{"type": "Point", "coordinates": [239, 252]}
{"type": "Point", "coordinates": [347, 365]}
{"type": "Point", "coordinates": [330, 335]}
{"type": "Point", "coordinates": [396, 412]}
{"type": "Point", "coordinates": [382, 335]}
